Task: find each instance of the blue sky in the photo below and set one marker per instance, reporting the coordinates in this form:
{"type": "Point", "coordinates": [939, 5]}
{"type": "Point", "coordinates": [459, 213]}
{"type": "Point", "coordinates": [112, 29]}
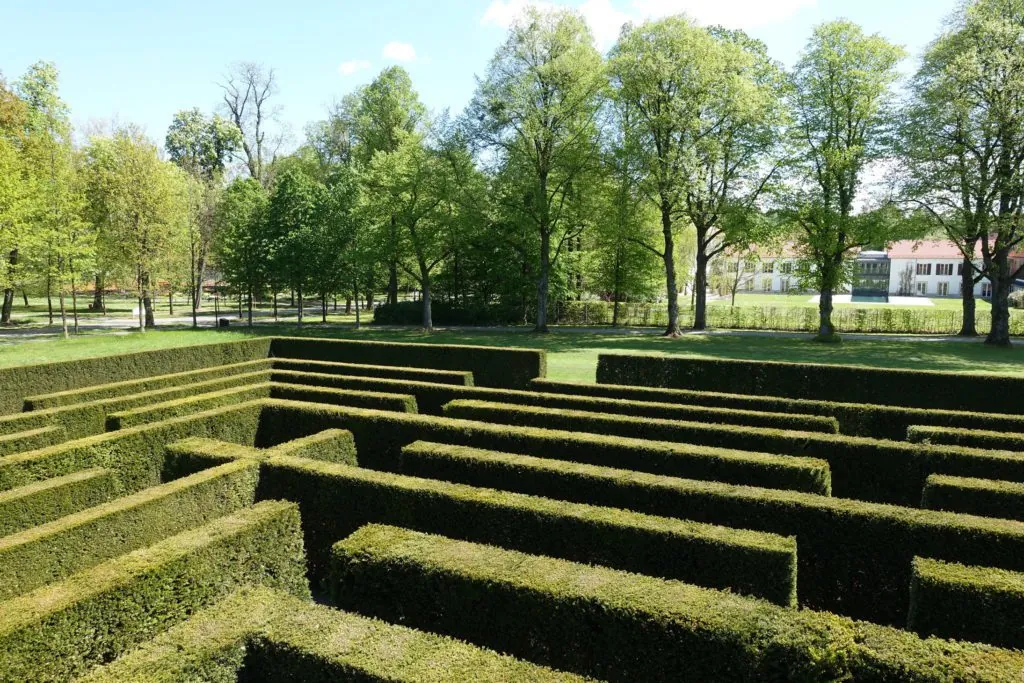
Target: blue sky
{"type": "Point", "coordinates": [140, 61]}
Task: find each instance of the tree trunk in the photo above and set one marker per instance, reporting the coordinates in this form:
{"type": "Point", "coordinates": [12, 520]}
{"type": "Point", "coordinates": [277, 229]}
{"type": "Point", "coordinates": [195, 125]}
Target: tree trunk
{"type": "Point", "coordinates": [968, 327]}
{"type": "Point", "coordinates": [323, 308]}
{"type": "Point", "coordinates": [348, 305]}
{"type": "Point", "coordinates": [250, 305]}
{"type": "Point", "coordinates": [63, 312]}
{"type": "Point", "coordinates": [999, 334]}
{"type": "Point", "coordinates": [49, 295]}
{"type": "Point", "coordinates": [142, 316]}
{"type": "Point", "coordinates": [428, 322]}
{"type": "Point", "coordinates": [542, 282]}
{"type": "Point", "coordinates": [355, 295]}
{"type": "Point", "coordinates": [300, 305]}
{"type": "Point", "coordinates": [392, 283]}
{"type": "Point", "coordinates": [170, 303]}
{"type": "Point", "coordinates": [97, 295]}
{"type": "Point", "coordinates": [671, 289]}
{"type": "Point", "coordinates": [826, 332]}
{"type": "Point", "coordinates": [74, 301]}
{"type": "Point", "coordinates": [8, 305]}
{"type": "Point", "coordinates": [700, 290]}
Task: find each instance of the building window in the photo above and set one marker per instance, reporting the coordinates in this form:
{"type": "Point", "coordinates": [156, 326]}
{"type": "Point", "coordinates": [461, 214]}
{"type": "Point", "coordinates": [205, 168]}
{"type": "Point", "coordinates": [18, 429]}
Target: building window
{"type": "Point", "coordinates": [922, 288]}
{"type": "Point", "coordinates": [943, 287]}
{"type": "Point", "coordinates": [750, 265]}
{"type": "Point", "coordinates": [986, 289]}
{"type": "Point", "coordinates": [944, 268]}
{"type": "Point", "coordinates": [766, 284]}
{"type": "Point", "coordinates": [784, 284]}
{"type": "Point", "coordinates": [769, 266]}
{"type": "Point", "coordinates": [786, 268]}
{"type": "Point", "coordinates": [960, 268]}
{"type": "Point", "coordinates": [748, 285]}
{"type": "Point", "coordinates": [924, 269]}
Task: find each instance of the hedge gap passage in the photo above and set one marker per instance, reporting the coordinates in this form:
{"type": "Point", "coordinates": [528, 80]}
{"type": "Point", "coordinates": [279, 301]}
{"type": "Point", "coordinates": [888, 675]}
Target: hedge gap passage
{"type": "Point", "coordinates": [170, 515]}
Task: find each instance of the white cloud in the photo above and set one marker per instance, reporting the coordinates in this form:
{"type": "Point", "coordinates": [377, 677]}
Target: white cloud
{"type": "Point", "coordinates": [350, 67]}
{"type": "Point", "coordinates": [399, 52]}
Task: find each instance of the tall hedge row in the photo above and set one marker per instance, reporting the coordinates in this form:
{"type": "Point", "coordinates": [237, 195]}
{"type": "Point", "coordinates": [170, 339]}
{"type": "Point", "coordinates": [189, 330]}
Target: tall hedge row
{"type": "Point", "coordinates": [61, 630]}
{"type": "Point", "coordinates": [853, 557]}
{"type": "Point", "coordinates": [970, 438]}
{"type": "Point", "coordinates": [425, 374]}
{"type": "Point", "coordinates": [337, 499]}
{"type": "Point", "coordinates": [986, 497]}
{"type": "Point", "coordinates": [848, 383]}
{"type": "Point", "coordinates": [617, 626]}
{"type": "Point", "coordinates": [381, 435]}
{"type": "Point", "coordinates": [31, 439]}
{"type": "Point", "coordinates": [45, 501]}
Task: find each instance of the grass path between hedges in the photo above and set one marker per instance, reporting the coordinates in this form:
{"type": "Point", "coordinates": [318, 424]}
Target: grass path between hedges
{"type": "Point", "coordinates": [571, 355]}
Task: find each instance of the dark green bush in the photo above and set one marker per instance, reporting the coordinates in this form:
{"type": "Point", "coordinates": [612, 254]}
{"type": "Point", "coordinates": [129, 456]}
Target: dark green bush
{"type": "Point", "coordinates": [967, 603]}
{"type": "Point", "coordinates": [53, 551]}
{"type": "Point", "coordinates": [509, 368]}
{"type": "Point", "coordinates": [970, 438]}
{"type": "Point", "coordinates": [381, 435]}
{"type": "Point", "coordinates": [60, 631]}
{"type": "Point", "coordinates": [45, 501]}
{"type": "Point", "coordinates": [625, 627]}
{"type": "Point", "coordinates": [865, 469]}
{"type": "Point", "coordinates": [337, 499]}
{"type": "Point", "coordinates": [986, 497]}
{"type": "Point", "coordinates": [411, 313]}
{"type": "Point", "coordinates": [32, 380]}
{"type": "Point", "coordinates": [261, 634]}
{"type": "Point", "coordinates": [854, 557]}
{"type": "Point", "coordinates": [456, 377]}
{"type": "Point", "coordinates": [848, 383]}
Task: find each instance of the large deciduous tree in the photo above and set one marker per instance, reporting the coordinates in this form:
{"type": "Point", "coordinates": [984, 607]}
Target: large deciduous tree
{"type": "Point", "coordinates": [14, 193]}
{"type": "Point", "coordinates": [247, 93]}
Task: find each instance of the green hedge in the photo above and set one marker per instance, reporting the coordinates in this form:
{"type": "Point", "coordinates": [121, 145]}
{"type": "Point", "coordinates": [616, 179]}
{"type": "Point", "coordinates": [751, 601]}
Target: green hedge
{"type": "Point", "coordinates": [31, 439]}
{"type": "Point", "coordinates": [986, 497]}
{"type": "Point", "coordinates": [849, 383]}
{"type": "Point", "coordinates": [45, 501]}
{"type": "Point", "coordinates": [99, 392]}
{"type": "Point", "coordinates": [197, 454]}
{"type": "Point", "coordinates": [262, 634]}
{"type": "Point", "coordinates": [381, 435]}
{"type": "Point", "coordinates": [509, 367]}
{"type": "Point", "coordinates": [52, 551]}
{"type": "Point", "coordinates": [854, 557]}
{"type": "Point", "coordinates": [32, 380]}
{"type": "Point", "coordinates": [136, 455]}
{"type": "Point", "coordinates": [183, 407]}
{"type": "Point", "coordinates": [855, 419]}
{"type": "Point", "coordinates": [456, 377]}
{"type": "Point", "coordinates": [60, 631]}
{"type": "Point", "coordinates": [397, 402]}
{"type": "Point", "coordinates": [337, 499]}
{"type": "Point", "coordinates": [970, 438]}
{"type": "Point", "coordinates": [967, 603]}
{"type": "Point", "coordinates": [623, 627]}
{"type": "Point", "coordinates": [333, 445]}
{"type": "Point", "coordinates": [865, 469]}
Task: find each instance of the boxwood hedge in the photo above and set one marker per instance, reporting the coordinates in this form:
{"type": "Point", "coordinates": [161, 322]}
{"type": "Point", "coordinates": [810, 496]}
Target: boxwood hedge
{"type": "Point", "coordinates": [971, 438]}
{"type": "Point", "coordinates": [336, 499]}
{"type": "Point", "coordinates": [625, 627]}
{"type": "Point", "coordinates": [45, 501]}
{"type": "Point", "coordinates": [986, 497]}
{"type": "Point", "coordinates": [983, 604]}
{"type": "Point", "coordinates": [456, 377]}
{"type": "Point", "coordinates": [854, 557]}
{"type": "Point", "coordinates": [61, 630]}
{"type": "Point", "coordinates": [31, 439]}
{"type": "Point", "coordinates": [849, 383]}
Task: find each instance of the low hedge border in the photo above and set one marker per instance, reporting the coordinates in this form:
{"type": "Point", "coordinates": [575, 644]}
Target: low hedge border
{"type": "Point", "coordinates": [188, 405]}
{"type": "Point", "coordinates": [285, 638]}
{"type": "Point", "coordinates": [33, 380]}
{"type": "Point", "coordinates": [855, 419]}
{"type": "Point", "coordinates": [337, 499]}
{"type": "Point", "coordinates": [431, 397]}
{"type": "Point", "coordinates": [985, 497]}
{"type": "Point", "coordinates": [864, 469]}
{"type": "Point", "coordinates": [625, 627]}
{"type": "Point", "coordinates": [45, 501]}
{"type": "Point", "coordinates": [967, 603]}
{"type": "Point", "coordinates": [136, 455]}
{"type": "Point", "coordinates": [507, 367]}
{"type": "Point", "coordinates": [969, 438]}
{"type": "Point", "coordinates": [50, 552]}
{"type": "Point", "coordinates": [60, 631]}
{"type": "Point", "coordinates": [31, 439]}
{"type": "Point", "coordinates": [854, 557]}
{"type": "Point", "coordinates": [456, 377]}
{"type": "Point", "coordinates": [381, 435]}
{"type": "Point", "coordinates": [376, 400]}
{"type": "Point", "coordinates": [849, 383]}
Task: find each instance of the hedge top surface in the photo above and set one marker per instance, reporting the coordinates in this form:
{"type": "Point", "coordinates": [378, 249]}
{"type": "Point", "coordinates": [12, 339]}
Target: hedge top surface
{"type": "Point", "coordinates": [974, 483]}
{"type": "Point", "coordinates": [11, 495]}
{"type": "Point", "coordinates": [757, 626]}
{"type": "Point", "coordinates": [981, 579]}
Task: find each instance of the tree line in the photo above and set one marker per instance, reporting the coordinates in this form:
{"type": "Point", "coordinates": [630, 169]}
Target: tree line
{"type": "Point", "coordinates": [570, 174]}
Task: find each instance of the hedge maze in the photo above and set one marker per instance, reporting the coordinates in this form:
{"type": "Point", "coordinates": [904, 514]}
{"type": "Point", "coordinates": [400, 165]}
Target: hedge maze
{"type": "Point", "coordinates": [300, 509]}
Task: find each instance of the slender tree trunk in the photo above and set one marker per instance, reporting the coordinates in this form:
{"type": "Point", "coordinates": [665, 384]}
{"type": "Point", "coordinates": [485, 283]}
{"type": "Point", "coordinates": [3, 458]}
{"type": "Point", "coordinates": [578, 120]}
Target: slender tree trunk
{"type": "Point", "coordinates": [999, 334]}
{"type": "Point", "coordinates": [49, 293]}
{"type": "Point", "coordinates": [392, 297]}
{"type": "Point", "coordinates": [428, 321]}
{"type": "Point", "coordinates": [542, 281]}
{"type": "Point", "coordinates": [826, 332]}
{"type": "Point", "coordinates": [147, 300]}
{"type": "Point", "coordinates": [274, 295]}
{"type": "Point", "coordinates": [170, 303]}
{"type": "Point", "coordinates": [968, 327]}
{"type": "Point", "coordinates": [323, 308]}
{"type": "Point", "coordinates": [60, 299]}
{"type": "Point", "coordinates": [291, 304]}
{"type": "Point", "coordinates": [250, 305]}
{"type": "Point", "coordinates": [671, 289]}
{"type": "Point", "coordinates": [300, 305]}
{"type": "Point", "coordinates": [74, 301]}
{"type": "Point", "coordinates": [8, 305]}
{"type": "Point", "coordinates": [700, 290]}
{"type": "Point", "coordinates": [142, 315]}
{"type": "Point", "coordinates": [97, 295]}
{"type": "Point", "coordinates": [355, 295]}
{"type": "Point", "coordinates": [348, 305]}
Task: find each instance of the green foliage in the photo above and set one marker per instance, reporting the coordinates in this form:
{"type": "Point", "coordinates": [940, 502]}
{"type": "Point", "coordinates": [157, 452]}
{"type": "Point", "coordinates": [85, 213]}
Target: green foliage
{"type": "Point", "coordinates": [243, 242]}
{"type": "Point", "coordinates": [31, 439]}
{"type": "Point", "coordinates": [202, 145]}
{"type": "Point", "coordinates": [45, 501]}
{"type": "Point", "coordinates": [986, 497]}
{"type": "Point", "coordinates": [971, 438]}
{"type": "Point", "coordinates": [456, 377]}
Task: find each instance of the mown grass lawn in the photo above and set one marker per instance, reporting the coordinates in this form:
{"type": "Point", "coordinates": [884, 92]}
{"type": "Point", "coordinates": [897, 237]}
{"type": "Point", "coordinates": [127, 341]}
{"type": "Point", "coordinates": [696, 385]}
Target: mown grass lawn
{"type": "Point", "coordinates": [572, 355]}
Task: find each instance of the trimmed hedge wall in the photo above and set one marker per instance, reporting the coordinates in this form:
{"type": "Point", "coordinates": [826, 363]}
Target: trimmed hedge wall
{"type": "Point", "coordinates": [198, 454]}
{"type": "Point", "coordinates": [865, 469]}
{"type": "Point", "coordinates": [986, 497]}
{"type": "Point", "coordinates": [855, 419]}
{"type": "Point", "coordinates": [337, 499]}
{"type": "Point", "coordinates": [45, 501]}
{"type": "Point", "coordinates": [61, 630]}
{"type": "Point", "coordinates": [456, 377]}
{"type": "Point", "coordinates": [624, 627]}
{"type": "Point", "coordinates": [967, 603]}
{"type": "Point", "coordinates": [188, 405]}
{"type": "Point", "coordinates": [854, 557]}
{"type": "Point", "coordinates": [848, 383]}
{"type": "Point", "coordinates": [970, 438]}
{"type": "Point", "coordinates": [52, 551]}
{"type": "Point", "coordinates": [381, 435]}
{"type": "Point", "coordinates": [262, 634]}
{"type": "Point", "coordinates": [376, 400]}
{"type": "Point", "coordinates": [31, 439]}
{"type": "Point", "coordinates": [333, 445]}
{"type": "Point", "coordinates": [508, 367]}
{"type": "Point", "coordinates": [31, 380]}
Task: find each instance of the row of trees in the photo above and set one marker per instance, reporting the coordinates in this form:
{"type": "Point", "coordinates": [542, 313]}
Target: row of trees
{"type": "Point", "coordinates": [569, 174]}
